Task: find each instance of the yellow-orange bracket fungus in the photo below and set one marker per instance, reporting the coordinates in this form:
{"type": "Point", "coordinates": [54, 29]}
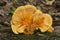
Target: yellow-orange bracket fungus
{"type": "Point", "coordinates": [26, 19]}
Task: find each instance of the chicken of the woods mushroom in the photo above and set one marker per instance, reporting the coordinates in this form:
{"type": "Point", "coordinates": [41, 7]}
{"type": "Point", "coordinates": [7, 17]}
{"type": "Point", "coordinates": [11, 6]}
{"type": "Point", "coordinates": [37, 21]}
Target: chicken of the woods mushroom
{"type": "Point", "coordinates": [26, 19]}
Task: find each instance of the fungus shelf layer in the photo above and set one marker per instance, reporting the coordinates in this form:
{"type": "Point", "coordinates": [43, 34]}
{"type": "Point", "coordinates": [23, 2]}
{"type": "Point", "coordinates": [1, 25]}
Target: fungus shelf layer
{"type": "Point", "coordinates": [26, 19]}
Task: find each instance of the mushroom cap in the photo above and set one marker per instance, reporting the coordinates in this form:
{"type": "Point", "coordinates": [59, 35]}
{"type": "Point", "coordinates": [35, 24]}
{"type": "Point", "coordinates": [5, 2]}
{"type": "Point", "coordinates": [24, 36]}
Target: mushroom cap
{"type": "Point", "coordinates": [26, 19]}
{"type": "Point", "coordinates": [47, 22]}
{"type": "Point", "coordinates": [23, 15]}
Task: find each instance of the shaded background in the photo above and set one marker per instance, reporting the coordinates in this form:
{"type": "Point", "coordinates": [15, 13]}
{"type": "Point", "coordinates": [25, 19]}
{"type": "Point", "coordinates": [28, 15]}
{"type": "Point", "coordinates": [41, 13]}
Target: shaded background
{"type": "Point", "coordinates": [7, 7]}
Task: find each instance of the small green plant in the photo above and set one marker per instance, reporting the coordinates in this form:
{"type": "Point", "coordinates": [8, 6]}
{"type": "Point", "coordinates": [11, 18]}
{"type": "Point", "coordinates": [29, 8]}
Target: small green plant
{"type": "Point", "coordinates": [12, 10]}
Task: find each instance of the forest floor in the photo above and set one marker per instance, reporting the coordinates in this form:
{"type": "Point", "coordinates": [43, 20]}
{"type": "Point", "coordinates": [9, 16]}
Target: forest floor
{"type": "Point", "coordinates": [7, 8]}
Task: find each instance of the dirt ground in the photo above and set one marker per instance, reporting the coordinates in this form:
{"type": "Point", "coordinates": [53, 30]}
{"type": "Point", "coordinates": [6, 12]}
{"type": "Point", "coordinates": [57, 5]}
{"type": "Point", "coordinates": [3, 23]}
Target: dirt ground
{"type": "Point", "coordinates": [7, 8]}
